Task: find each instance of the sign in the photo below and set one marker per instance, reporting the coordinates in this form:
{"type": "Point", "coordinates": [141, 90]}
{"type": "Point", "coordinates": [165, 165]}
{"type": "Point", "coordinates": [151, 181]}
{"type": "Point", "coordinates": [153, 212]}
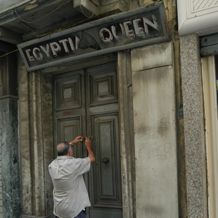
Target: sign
{"type": "Point", "coordinates": [114, 33]}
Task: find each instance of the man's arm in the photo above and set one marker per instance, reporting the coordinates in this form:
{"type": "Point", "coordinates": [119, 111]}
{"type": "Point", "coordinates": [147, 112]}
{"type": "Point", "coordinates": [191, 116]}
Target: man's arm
{"type": "Point", "coordinates": [88, 144]}
{"type": "Point", "coordinates": [76, 140]}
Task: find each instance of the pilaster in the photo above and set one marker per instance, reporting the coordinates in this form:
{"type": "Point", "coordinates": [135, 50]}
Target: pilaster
{"type": "Point", "coordinates": [9, 158]}
{"type": "Point", "coordinates": [195, 156]}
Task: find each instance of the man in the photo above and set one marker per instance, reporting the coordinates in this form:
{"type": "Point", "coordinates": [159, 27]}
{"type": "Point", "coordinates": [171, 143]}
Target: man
{"type": "Point", "coordinates": [70, 193]}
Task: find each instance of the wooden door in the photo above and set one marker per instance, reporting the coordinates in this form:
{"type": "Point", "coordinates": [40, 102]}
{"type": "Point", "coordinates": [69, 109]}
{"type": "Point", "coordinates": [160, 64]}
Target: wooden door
{"type": "Point", "coordinates": [86, 102]}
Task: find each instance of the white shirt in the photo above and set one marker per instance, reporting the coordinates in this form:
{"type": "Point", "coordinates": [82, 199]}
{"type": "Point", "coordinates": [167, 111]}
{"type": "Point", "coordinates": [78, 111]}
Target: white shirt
{"type": "Point", "coordinates": [70, 193]}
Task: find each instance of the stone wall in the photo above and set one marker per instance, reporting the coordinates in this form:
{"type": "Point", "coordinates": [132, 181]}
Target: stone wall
{"type": "Point", "coordinates": [155, 131]}
{"type": "Point", "coordinates": [9, 155]}
{"type": "Point", "coordinates": [36, 142]}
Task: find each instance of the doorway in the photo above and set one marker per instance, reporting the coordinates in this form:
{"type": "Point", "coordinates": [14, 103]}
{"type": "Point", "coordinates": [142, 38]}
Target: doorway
{"type": "Point", "coordinates": [86, 103]}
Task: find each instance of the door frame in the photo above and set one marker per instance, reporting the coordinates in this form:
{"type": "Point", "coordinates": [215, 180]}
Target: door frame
{"type": "Point", "coordinates": [36, 133]}
{"type": "Point", "coordinates": [211, 128]}
{"type": "Point", "coordinates": [126, 134]}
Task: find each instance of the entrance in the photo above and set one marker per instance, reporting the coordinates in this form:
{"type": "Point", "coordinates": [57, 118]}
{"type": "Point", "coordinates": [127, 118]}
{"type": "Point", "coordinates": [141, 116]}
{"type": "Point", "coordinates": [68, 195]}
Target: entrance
{"type": "Point", "coordinates": [86, 103]}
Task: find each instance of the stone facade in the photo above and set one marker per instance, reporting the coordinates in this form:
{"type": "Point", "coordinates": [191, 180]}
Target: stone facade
{"type": "Point", "coordinates": [36, 143]}
{"type": "Point", "coordinates": [10, 178]}
{"type": "Point", "coordinates": [195, 155]}
{"type": "Point", "coordinates": [9, 156]}
{"type": "Point", "coordinates": [163, 167]}
{"type": "Point", "coordinates": [155, 131]}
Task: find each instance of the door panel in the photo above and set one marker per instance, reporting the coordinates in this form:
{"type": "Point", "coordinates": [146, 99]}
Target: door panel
{"type": "Point", "coordinates": [70, 108]}
{"type": "Point", "coordinates": [86, 103]}
{"type": "Point", "coordinates": [101, 85]}
{"type": "Point", "coordinates": [102, 123]}
{"type": "Point", "coordinates": [106, 175]}
{"type": "Point", "coordinates": [68, 128]}
{"type": "Point", "coordinates": [69, 92]}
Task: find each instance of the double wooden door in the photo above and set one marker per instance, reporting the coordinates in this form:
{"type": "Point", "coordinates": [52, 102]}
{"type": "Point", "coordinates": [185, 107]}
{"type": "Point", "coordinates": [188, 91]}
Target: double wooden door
{"type": "Point", "coordinates": [86, 103]}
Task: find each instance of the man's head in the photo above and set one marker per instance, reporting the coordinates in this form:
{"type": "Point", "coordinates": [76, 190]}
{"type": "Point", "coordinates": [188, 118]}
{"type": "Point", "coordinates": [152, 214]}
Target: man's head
{"type": "Point", "coordinates": [64, 149]}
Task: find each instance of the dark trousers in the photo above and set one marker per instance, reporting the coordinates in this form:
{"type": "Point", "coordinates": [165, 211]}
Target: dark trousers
{"type": "Point", "coordinates": [82, 214]}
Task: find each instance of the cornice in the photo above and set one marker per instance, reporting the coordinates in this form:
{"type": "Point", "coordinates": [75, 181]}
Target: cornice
{"type": "Point", "coordinates": [197, 16]}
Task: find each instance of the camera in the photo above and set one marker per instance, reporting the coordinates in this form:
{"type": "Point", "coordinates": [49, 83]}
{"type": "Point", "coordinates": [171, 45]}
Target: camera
{"type": "Point", "coordinates": [84, 138]}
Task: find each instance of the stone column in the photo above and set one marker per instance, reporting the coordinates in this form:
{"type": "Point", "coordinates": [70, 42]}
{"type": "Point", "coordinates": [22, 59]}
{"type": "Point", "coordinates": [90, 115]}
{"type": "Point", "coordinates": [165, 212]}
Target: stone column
{"type": "Point", "coordinates": [36, 142]}
{"type": "Point", "coordinates": [126, 133]}
{"type": "Point", "coordinates": [9, 159]}
{"type": "Point", "coordinates": [195, 156]}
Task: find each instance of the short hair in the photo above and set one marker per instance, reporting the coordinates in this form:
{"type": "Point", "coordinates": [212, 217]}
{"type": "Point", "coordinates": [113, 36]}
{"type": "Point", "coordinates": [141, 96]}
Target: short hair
{"type": "Point", "coordinates": [62, 148]}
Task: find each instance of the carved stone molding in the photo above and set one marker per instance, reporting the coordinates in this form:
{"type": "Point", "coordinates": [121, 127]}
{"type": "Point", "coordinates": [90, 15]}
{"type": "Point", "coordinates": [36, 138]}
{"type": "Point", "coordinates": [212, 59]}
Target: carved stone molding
{"type": "Point", "coordinates": [197, 16]}
{"type": "Point", "coordinates": [202, 7]}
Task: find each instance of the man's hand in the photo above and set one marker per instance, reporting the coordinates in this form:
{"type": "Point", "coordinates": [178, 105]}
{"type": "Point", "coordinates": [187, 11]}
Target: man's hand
{"type": "Point", "coordinates": [76, 140]}
{"type": "Point", "coordinates": [88, 144]}
{"type": "Point", "coordinates": [88, 141]}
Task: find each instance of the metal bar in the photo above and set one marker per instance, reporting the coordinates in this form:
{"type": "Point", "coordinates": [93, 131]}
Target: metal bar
{"type": "Point", "coordinates": [209, 45]}
{"type": "Point", "coordinates": [209, 40]}
{"type": "Point", "coordinates": [209, 50]}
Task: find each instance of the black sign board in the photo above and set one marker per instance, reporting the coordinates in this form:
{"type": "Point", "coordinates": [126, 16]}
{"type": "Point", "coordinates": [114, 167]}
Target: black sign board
{"type": "Point", "coordinates": [117, 32]}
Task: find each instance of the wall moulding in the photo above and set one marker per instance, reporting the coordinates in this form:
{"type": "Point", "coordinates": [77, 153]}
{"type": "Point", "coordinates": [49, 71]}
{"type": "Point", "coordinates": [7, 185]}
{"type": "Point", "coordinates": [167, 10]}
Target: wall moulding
{"type": "Point", "coordinates": [197, 16]}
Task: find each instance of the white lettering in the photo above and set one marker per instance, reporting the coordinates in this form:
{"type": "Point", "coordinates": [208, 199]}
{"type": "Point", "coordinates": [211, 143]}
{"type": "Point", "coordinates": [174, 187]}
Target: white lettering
{"type": "Point", "coordinates": [46, 50]}
{"type": "Point", "coordinates": [55, 48]}
{"type": "Point", "coordinates": [64, 43]}
{"type": "Point", "coordinates": [147, 23]}
{"type": "Point", "coordinates": [29, 56]}
{"type": "Point", "coordinates": [105, 35]}
{"type": "Point", "coordinates": [37, 54]}
{"type": "Point", "coordinates": [139, 31]}
{"type": "Point", "coordinates": [130, 29]}
{"type": "Point", "coordinates": [52, 48]}
{"type": "Point", "coordinates": [77, 41]}
{"type": "Point", "coordinates": [71, 44]}
{"type": "Point", "coordinates": [115, 31]}
{"type": "Point", "coordinates": [129, 32]}
{"type": "Point", "coordinates": [74, 45]}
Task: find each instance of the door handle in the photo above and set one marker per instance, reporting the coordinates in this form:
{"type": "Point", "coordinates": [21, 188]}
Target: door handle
{"type": "Point", "coordinates": [105, 160]}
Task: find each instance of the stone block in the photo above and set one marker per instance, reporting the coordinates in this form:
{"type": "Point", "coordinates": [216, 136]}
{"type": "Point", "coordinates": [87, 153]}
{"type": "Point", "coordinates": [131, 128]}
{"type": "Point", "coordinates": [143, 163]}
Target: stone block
{"type": "Point", "coordinates": [152, 56]}
{"type": "Point", "coordinates": [155, 132]}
